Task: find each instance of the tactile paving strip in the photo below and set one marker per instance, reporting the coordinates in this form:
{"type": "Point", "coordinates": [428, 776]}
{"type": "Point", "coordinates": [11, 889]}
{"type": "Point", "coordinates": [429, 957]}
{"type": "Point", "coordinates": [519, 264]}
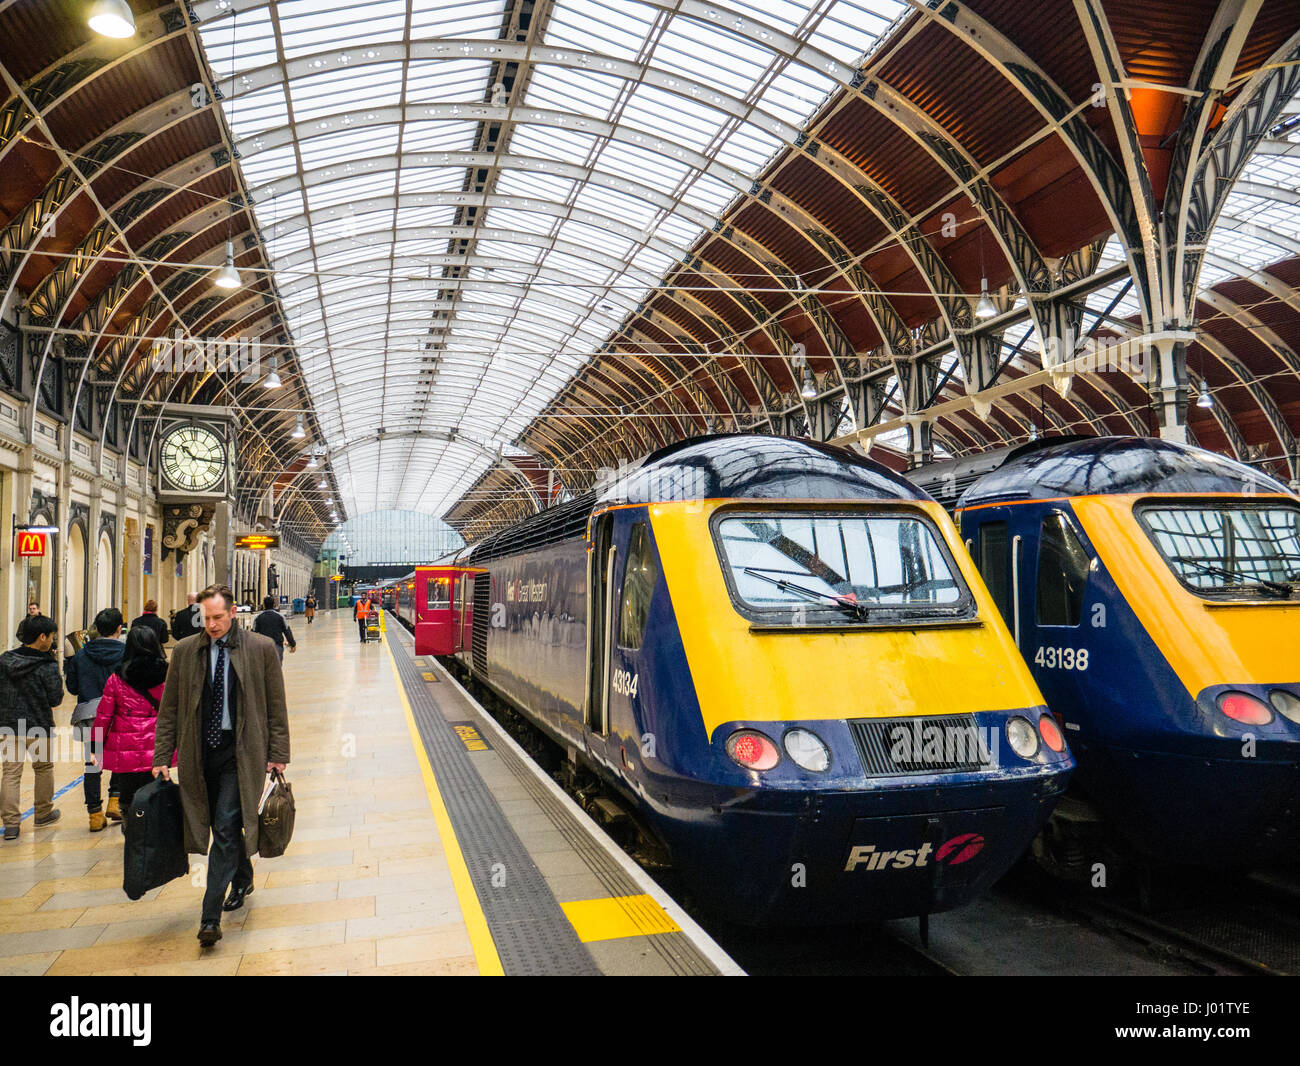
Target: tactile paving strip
{"type": "Point", "coordinates": [532, 934]}
{"type": "Point", "coordinates": [676, 949]}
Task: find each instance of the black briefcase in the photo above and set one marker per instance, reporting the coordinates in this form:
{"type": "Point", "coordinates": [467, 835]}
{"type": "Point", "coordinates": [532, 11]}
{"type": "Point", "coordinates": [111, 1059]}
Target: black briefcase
{"type": "Point", "coordinates": [155, 839]}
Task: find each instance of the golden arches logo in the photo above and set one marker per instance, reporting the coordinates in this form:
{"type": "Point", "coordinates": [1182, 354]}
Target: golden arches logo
{"type": "Point", "coordinates": [31, 544]}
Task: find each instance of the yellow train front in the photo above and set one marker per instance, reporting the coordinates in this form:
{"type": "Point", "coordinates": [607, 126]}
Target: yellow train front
{"type": "Point", "coordinates": [776, 655]}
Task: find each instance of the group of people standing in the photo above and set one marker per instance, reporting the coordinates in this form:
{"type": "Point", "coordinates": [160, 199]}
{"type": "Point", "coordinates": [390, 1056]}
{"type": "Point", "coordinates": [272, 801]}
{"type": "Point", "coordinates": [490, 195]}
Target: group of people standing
{"type": "Point", "coordinates": [216, 711]}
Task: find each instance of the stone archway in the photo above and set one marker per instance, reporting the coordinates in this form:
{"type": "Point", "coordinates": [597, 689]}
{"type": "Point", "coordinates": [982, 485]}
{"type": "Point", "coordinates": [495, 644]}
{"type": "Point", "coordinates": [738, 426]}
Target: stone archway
{"type": "Point", "coordinates": [104, 573]}
{"type": "Point", "coordinates": [74, 601]}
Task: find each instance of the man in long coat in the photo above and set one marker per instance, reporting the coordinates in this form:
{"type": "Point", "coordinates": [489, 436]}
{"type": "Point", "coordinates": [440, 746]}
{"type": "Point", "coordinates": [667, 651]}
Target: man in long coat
{"type": "Point", "coordinates": [223, 713]}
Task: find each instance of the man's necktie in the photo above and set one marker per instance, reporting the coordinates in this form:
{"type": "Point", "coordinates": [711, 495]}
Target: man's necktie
{"type": "Point", "coordinates": [212, 727]}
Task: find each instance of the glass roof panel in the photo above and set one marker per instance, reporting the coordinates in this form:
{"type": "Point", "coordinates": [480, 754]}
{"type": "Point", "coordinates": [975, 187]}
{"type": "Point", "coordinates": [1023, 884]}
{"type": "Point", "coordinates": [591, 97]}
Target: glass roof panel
{"type": "Point", "coordinates": [390, 231]}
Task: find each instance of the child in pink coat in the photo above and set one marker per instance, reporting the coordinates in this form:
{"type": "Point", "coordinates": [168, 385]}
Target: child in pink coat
{"type": "Point", "coordinates": [128, 713]}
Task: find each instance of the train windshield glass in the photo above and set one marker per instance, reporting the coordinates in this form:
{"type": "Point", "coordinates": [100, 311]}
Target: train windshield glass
{"type": "Point", "coordinates": [1229, 548]}
{"type": "Point", "coordinates": [847, 566]}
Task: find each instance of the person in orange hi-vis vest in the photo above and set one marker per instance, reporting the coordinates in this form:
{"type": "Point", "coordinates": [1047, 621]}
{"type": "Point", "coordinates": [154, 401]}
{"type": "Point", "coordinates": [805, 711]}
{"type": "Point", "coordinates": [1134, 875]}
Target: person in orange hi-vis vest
{"type": "Point", "coordinates": [362, 615]}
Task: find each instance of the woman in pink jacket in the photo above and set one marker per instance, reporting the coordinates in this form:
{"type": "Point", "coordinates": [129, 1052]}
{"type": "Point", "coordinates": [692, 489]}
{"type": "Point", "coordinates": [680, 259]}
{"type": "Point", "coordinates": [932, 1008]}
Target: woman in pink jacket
{"type": "Point", "coordinates": [128, 713]}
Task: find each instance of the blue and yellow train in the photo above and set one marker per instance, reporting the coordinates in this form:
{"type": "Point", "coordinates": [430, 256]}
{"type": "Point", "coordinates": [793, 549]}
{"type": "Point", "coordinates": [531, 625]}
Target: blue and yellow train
{"type": "Point", "coordinates": [1154, 591]}
{"type": "Point", "coordinates": [777, 657]}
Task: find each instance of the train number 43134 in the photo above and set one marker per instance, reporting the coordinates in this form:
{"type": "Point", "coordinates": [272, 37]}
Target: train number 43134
{"type": "Point", "coordinates": [625, 682]}
{"type": "Point", "coordinates": [1061, 658]}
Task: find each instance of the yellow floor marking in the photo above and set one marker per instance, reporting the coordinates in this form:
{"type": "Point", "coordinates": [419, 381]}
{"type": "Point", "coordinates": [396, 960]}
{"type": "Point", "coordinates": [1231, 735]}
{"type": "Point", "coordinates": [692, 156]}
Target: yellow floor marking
{"type": "Point", "coordinates": [618, 916]}
{"type": "Point", "coordinates": [428, 675]}
{"type": "Point", "coordinates": [480, 936]}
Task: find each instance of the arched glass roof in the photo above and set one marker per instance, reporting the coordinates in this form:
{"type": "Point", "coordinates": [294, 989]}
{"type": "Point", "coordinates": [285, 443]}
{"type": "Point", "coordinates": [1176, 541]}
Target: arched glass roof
{"type": "Point", "coordinates": [462, 200]}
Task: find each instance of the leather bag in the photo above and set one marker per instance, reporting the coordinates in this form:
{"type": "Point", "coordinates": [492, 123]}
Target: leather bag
{"type": "Point", "coordinates": [275, 818]}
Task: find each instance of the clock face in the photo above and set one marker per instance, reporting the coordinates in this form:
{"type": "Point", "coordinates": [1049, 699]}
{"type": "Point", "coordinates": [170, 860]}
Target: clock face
{"type": "Point", "coordinates": [193, 458]}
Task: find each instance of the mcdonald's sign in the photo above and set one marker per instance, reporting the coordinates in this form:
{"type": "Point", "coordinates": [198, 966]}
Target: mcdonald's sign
{"type": "Point", "coordinates": [30, 544]}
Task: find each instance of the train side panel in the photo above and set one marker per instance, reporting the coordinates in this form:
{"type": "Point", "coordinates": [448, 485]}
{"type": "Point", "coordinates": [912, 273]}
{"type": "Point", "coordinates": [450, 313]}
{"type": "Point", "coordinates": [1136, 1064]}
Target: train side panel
{"type": "Point", "coordinates": [537, 634]}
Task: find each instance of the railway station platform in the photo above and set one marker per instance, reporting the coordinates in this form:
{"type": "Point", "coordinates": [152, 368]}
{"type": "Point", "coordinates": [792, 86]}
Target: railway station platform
{"type": "Point", "coordinates": [425, 844]}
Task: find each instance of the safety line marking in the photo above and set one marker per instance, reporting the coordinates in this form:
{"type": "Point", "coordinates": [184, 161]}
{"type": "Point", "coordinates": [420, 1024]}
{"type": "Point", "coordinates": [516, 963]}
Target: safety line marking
{"type": "Point", "coordinates": [480, 936]}
{"type": "Point", "coordinates": [618, 916]}
{"type": "Point", "coordinates": [66, 788]}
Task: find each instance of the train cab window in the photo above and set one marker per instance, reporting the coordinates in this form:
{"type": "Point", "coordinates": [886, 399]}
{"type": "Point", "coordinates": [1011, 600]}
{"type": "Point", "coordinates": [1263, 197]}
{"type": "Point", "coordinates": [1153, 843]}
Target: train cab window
{"type": "Point", "coordinates": [439, 593]}
{"type": "Point", "coordinates": [639, 575]}
{"type": "Point", "coordinates": [1228, 548]}
{"type": "Point", "coordinates": [1062, 573]}
{"type": "Point", "coordinates": [993, 565]}
{"type": "Point", "coordinates": [824, 569]}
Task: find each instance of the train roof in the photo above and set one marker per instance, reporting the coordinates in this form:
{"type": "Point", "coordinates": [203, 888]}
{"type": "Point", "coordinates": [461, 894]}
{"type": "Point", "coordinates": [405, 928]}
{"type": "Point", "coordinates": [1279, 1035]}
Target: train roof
{"type": "Point", "coordinates": [720, 466]}
{"type": "Point", "coordinates": [1094, 466]}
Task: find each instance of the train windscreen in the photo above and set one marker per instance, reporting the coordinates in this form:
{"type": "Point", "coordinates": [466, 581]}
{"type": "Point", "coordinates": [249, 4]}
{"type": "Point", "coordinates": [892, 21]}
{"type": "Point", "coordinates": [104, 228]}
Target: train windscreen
{"type": "Point", "coordinates": [838, 565]}
{"type": "Point", "coordinates": [1228, 547]}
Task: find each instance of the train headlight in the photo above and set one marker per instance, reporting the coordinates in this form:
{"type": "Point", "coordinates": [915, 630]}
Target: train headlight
{"type": "Point", "coordinates": [1022, 737]}
{"type": "Point", "coordinates": [752, 750]}
{"type": "Point", "coordinates": [1245, 709]}
{"type": "Point", "coordinates": [807, 750]}
{"type": "Point", "coordinates": [1286, 704]}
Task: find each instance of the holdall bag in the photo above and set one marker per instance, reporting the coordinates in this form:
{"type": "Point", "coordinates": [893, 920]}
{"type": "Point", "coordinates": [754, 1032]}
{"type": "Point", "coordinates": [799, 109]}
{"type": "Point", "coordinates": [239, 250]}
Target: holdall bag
{"type": "Point", "coordinates": [83, 717]}
{"type": "Point", "coordinates": [275, 818]}
{"type": "Point", "coordinates": [155, 839]}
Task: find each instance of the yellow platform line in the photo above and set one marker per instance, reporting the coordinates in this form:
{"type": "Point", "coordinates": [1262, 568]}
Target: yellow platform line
{"type": "Point", "coordinates": [617, 916]}
{"type": "Point", "coordinates": [480, 936]}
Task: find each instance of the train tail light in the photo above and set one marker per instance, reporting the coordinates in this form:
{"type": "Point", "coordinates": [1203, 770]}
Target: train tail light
{"type": "Point", "coordinates": [752, 750]}
{"type": "Point", "coordinates": [1051, 733]}
{"type": "Point", "coordinates": [1245, 709]}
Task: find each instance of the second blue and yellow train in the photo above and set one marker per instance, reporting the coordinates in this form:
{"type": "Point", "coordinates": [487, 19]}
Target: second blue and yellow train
{"type": "Point", "coordinates": [1154, 591]}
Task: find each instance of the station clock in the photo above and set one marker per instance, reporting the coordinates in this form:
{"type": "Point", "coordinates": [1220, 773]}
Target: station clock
{"type": "Point", "coordinates": [194, 458]}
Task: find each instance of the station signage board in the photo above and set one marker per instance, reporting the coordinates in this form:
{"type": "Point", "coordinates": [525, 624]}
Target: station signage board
{"type": "Point", "coordinates": [258, 542]}
{"type": "Point", "coordinates": [30, 545]}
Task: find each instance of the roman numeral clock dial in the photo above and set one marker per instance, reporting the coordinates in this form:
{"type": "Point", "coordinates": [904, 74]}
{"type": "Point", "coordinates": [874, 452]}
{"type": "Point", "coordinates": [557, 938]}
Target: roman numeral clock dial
{"type": "Point", "coordinates": [193, 459]}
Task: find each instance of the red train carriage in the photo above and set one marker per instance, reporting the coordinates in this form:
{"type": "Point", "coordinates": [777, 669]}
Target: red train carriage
{"type": "Point", "coordinates": [432, 602]}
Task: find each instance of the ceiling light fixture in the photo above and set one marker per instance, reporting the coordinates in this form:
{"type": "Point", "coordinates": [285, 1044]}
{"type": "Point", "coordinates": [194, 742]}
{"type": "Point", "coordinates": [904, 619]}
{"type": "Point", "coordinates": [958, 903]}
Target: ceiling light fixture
{"type": "Point", "coordinates": [1205, 401]}
{"type": "Point", "coordinates": [298, 432]}
{"type": "Point", "coordinates": [808, 390]}
{"type": "Point", "coordinates": [111, 18]}
{"type": "Point", "coordinates": [986, 308]}
{"type": "Point", "coordinates": [227, 276]}
{"type": "Point", "coordinates": [272, 380]}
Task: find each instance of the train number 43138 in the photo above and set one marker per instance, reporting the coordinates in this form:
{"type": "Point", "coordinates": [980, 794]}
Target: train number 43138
{"type": "Point", "coordinates": [1061, 658]}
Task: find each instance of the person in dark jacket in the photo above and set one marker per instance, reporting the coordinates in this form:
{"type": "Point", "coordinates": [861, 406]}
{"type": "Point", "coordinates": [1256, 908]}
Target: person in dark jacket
{"type": "Point", "coordinates": [128, 714]}
{"type": "Point", "coordinates": [87, 673]}
{"type": "Point", "coordinates": [188, 620]}
{"type": "Point", "coordinates": [151, 620]}
{"type": "Point", "coordinates": [271, 623]}
{"type": "Point", "coordinates": [29, 692]}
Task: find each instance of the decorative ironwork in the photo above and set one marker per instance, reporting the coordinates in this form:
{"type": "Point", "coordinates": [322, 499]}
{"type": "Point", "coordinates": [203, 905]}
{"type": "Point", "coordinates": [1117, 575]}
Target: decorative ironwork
{"type": "Point", "coordinates": [182, 525]}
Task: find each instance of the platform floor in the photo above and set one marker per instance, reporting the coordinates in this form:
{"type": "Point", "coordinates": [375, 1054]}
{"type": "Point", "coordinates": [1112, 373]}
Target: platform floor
{"type": "Point", "coordinates": [376, 879]}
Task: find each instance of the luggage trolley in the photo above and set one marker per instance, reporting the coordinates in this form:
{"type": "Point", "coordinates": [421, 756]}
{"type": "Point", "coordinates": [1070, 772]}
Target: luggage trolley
{"type": "Point", "coordinates": [372, 627]}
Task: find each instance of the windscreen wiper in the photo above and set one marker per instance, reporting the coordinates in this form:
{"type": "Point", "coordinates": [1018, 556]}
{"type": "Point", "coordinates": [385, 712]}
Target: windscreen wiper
{"type": "Point", "coordinates": [1272, 586]}
{"type": "Point", "coordinates": [844, 603]}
